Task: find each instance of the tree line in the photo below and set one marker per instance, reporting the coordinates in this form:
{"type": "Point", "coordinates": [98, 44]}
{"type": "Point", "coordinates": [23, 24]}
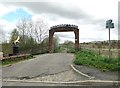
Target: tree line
{"type": "Point", "coordinates": [33, 35]}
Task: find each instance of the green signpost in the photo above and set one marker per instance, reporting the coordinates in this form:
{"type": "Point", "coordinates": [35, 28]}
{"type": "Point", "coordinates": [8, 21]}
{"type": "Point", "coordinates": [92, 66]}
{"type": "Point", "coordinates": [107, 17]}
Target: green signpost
{"type": "Point", "coordinates": [109, 25]}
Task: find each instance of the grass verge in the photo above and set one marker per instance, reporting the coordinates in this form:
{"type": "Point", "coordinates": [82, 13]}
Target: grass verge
{"type": "Point", "coordinates": [90, 58]}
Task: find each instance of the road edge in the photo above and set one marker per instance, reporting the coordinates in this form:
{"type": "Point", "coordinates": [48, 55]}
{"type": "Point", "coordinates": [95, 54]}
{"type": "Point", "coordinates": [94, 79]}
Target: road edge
{"type": "Point", "coordinates": [85, 82]}
{"type": "Point", "coordinates": [81, 73]}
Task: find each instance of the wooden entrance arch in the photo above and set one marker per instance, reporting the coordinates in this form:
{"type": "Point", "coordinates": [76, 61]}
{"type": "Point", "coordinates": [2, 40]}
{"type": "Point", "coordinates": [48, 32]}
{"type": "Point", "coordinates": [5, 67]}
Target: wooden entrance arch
{"type": "Point", "coordinates": [63, 28]}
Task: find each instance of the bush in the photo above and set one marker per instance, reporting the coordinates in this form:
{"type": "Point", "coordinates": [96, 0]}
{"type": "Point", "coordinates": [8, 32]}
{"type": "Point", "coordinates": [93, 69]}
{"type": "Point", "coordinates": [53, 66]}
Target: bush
{"type": "Point", "coordinates": [71, 50]}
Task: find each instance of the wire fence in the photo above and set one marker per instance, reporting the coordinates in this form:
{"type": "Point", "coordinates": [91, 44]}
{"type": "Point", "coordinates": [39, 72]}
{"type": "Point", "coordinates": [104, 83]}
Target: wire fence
{"type": "Point", "coordinates": [104, 52]}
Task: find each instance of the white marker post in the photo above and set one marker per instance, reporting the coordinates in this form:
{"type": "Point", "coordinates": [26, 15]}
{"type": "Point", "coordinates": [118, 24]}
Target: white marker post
{"type": "Point", "coordinates": [109, 25]}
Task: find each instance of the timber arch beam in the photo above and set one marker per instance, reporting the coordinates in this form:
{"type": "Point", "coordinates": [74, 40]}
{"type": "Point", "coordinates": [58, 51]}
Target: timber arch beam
{"type": "Point", "coordinates": [63, 28]}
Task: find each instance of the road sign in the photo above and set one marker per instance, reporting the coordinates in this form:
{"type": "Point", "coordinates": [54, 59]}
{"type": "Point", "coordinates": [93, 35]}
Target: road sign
{"type": "Point", "coordinates": [112, 25]}
{"type": "Point", "coordinates": [109, 24]}
{"type": "Point", "coordinates": [109, 21]}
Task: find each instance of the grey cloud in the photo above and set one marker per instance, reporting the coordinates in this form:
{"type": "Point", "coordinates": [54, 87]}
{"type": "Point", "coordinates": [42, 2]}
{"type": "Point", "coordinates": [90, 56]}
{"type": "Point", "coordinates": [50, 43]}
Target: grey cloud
{"type": "Point", "coordinates": [93, 21]}
{"type": "Point", "coordinates": [53, 8]}
{"type": "Point", "coordinates": [56, 10]}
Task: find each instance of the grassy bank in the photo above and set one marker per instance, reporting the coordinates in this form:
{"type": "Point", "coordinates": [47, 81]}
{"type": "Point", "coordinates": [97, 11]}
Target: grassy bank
{"type": "Point", "coordinates": [90, 58]}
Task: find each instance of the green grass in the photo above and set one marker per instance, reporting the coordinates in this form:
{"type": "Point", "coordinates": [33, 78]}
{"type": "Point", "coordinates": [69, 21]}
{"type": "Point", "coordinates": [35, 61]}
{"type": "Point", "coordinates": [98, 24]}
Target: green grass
{"type": "Point", "coordinates": [58, 50]}
{"type": "Point", "coordinates": [9, 62]}
{"type": "Point", "coordinates": [71, 50]}
{"type": "Point", "coordinates": [90, 58]}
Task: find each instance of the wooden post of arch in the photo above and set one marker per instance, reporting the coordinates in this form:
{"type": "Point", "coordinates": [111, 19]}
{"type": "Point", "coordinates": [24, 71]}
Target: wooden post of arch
{"type": "Point", "coordinates": [76, 39]}
{"type": "Point", "coordinates": [51, 33]}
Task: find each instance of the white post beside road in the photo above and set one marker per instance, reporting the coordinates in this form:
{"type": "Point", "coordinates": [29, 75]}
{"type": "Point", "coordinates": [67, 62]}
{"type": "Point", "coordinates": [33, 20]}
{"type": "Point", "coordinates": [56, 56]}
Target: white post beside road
{"type": "Point", "coordinates": [1, 55]}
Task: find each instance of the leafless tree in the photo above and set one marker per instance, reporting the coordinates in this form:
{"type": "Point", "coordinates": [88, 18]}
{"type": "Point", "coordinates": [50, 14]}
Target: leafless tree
{"type": "Point", "coordinates": [35, 29]}
{"type": "Point", "coordinates": [21, 27]}
{"type": "Point", "coordinates": [40, 30]}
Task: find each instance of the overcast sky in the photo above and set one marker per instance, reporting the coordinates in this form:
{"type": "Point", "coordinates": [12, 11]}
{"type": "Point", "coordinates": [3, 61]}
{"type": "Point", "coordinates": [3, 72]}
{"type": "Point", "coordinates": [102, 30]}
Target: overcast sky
{"type": "Point", "coordinates": [89, 15]}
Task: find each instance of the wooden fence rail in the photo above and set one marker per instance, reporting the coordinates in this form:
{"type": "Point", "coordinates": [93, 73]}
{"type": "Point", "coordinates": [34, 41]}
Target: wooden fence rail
{"type": "Point", "coordinates": [15, 56]}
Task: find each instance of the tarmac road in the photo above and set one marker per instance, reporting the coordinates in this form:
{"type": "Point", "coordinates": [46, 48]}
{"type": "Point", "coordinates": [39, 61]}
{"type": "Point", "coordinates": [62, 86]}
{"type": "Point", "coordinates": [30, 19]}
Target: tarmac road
{"type": "Point", "coordinates": [47, 67]}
